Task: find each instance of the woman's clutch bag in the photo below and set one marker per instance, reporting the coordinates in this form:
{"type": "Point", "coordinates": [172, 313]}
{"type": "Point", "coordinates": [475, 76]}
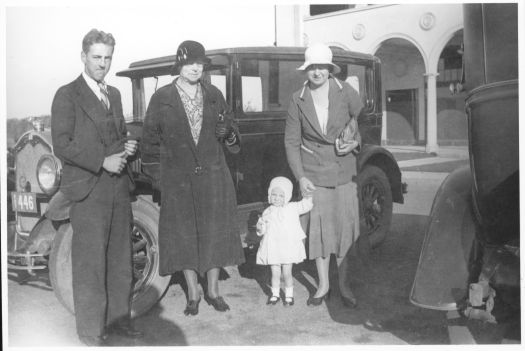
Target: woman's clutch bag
{"type": "Point", "coordinates": [349, 132]}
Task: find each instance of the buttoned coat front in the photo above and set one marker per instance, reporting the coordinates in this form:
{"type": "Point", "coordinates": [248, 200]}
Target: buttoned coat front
{"type": "Point", "coordinates": [197, 226]}
{"type": "Point", "coordinates": [77, 138]}
{"type": "Point", "coordinates": [309, 151]}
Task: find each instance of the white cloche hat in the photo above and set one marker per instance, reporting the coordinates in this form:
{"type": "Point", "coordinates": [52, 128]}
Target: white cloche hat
{"type": "Point", "coordinates": [318, 54]}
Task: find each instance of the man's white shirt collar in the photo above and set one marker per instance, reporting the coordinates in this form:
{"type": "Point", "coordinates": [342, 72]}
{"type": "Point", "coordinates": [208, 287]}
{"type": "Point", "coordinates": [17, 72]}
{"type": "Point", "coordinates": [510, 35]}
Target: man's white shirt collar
{"type": "Point", "coordinates": [93, 85]}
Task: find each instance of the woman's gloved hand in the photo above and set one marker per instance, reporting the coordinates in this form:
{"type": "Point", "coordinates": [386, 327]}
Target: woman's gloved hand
{"type": "Point", "coordinates": [224, 127]}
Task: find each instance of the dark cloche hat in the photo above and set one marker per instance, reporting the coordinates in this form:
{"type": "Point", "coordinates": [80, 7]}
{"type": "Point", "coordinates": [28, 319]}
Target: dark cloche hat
{"type": "Point", "coordinates": [189, 51]}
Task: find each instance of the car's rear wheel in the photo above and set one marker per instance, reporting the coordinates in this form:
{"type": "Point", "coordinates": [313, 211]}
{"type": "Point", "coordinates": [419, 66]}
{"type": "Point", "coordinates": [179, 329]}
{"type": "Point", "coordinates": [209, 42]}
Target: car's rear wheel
{"type": "Point", "coordinates": [375, 204]}
{"type": "Point", "coordinates": [149, 286]}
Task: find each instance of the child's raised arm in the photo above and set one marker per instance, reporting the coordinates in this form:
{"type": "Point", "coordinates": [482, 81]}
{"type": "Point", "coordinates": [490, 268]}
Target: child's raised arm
{"type": "Point", "coordinates": [305, 205]}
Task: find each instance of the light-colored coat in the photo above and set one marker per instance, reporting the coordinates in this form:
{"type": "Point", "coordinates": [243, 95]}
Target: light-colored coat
{"type": "Point", "coordinates": [282, 241]}
{"type": "Point", "coordinates": [311, 153]}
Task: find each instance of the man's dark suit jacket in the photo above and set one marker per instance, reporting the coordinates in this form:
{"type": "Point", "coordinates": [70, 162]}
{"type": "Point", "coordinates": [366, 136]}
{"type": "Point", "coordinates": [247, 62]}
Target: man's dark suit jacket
{"type": "Point", "coordinates": [77, 140]}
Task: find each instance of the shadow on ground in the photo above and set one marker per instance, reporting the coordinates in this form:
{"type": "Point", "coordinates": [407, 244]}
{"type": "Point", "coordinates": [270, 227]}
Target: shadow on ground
{"type": "Point", "coordinates": [158, 331]}
{"type": "Point", "coordinates": [39, 280]}
{"type": "Point", "coordinates": [382, 287]}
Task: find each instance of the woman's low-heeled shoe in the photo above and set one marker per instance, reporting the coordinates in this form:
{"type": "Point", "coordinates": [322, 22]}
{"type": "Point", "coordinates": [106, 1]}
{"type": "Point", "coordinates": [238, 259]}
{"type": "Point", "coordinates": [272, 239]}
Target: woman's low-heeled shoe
{"type": "Point", "coordinates": [316, 301]}
{"type": "Point", "coordinates": [272, 300]}
{"type": "Point", "coordinates": [218, 303]}
{"type": "Point", "coordinates": [192, 307]}
{"type": "Point", "coordinates": [349, 301]}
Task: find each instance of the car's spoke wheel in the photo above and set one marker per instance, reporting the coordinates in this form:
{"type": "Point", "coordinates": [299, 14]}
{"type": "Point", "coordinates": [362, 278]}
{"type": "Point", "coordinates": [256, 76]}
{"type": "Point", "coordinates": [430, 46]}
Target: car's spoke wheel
{"type": "Point", "coordinates": [375, 204]}
{"type": "Point", "coordinates": [148, 285]}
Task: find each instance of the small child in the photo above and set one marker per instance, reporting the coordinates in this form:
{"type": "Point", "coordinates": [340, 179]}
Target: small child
{"type": "Point", "coordinates": [282, 244]}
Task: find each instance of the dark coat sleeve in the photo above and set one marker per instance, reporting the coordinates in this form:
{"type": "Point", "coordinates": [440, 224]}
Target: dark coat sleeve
{"type": "Point", "coordinates": [150, 143]}
{"type": "Point", "coordinates": [355, 106]}
{"type": "Point", "coordinates": [67, 144]}
{"type": "Point", "coordinates": [292, 140]}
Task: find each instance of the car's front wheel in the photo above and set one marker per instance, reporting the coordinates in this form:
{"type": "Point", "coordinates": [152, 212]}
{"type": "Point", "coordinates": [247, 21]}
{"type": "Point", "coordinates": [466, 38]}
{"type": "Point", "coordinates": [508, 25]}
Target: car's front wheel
{"type": "Point", "coordinates": [375, 204]}
{"type": "Point", "coordinates": [148, 286]}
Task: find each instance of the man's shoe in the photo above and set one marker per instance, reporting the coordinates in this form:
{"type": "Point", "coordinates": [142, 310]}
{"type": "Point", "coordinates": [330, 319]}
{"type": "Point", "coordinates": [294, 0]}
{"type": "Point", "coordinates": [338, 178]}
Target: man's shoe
{"type": "Point", "coordinates": [127, 330]}
{"type": "Point", "coordinates": [92, 340]}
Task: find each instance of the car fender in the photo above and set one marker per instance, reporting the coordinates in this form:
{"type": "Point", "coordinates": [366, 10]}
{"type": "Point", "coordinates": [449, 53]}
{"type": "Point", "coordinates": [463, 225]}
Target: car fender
{"type": "Point", "coordinates": [58, 208]}
{"type": "Point", "coordinates": [43, 233]}
{"type": "Point", "coordinates": [442, 275]}
{"type": "Point", "coordinates": [382, 158]}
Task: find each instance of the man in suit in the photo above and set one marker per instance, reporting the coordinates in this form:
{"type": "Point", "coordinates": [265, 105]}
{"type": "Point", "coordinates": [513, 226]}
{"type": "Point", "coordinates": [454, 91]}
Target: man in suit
{"type": "Point", "coordinates": [89, 137]}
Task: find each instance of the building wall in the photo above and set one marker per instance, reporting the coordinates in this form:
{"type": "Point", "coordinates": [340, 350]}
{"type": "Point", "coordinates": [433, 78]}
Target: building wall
{"type": "Point", "coordinates": [427, 28]}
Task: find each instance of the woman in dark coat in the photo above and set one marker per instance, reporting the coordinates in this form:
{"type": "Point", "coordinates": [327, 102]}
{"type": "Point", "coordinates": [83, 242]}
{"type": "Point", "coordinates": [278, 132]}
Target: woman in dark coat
{"type": "Point", "coordinates": [184, 135]}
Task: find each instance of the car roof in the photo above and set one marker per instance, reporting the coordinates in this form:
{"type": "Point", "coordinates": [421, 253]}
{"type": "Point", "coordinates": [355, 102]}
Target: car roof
{"type": "Point", "coordinates": [162, 65]}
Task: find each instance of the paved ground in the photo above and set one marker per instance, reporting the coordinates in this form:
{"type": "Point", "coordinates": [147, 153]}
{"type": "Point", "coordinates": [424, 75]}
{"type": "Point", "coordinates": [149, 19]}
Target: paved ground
{"type": "Point", "coordinates": [381, 284]}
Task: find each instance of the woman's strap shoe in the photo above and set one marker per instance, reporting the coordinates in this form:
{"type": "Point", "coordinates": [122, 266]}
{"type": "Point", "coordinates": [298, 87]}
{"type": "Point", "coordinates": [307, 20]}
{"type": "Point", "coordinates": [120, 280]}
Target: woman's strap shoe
{"type": "Point", "coordinates": [218, 303]}
{"type": "Point", "coordinates": [192, 307]}
{"type": "Point", "coordinates": [349, 301]}
{"type": "Point", "coordinates": [272, 300]}
{"type": "Point", "coordinates": [316, 301]}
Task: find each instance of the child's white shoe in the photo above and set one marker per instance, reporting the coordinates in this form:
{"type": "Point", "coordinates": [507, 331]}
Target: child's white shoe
{"type": "Point", "coordinates": [272, 300]}
{"type": "Point", "coordinates": [288, 293]}
{"type": "Point", "coordinates": [288, 301]}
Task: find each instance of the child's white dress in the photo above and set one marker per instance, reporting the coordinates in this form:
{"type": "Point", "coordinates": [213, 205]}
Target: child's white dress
{"type": "Point", "coordinates": [282, 240]}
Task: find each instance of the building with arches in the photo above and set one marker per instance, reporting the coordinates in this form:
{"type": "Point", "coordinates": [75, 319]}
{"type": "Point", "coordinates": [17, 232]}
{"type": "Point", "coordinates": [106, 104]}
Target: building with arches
{"type": "Point", "coordinates": [420, 47]}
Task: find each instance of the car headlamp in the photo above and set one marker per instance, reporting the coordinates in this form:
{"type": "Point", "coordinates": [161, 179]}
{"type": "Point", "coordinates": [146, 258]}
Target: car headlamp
{"type": "Point", "coordinates": [48, 174]}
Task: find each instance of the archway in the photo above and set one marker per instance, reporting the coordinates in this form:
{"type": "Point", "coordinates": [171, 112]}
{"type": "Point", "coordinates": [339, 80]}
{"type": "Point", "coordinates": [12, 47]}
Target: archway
{"type": "Point", "coordinates": [403, 69]}
{"type": "Point", "coordinates": [451, 118]}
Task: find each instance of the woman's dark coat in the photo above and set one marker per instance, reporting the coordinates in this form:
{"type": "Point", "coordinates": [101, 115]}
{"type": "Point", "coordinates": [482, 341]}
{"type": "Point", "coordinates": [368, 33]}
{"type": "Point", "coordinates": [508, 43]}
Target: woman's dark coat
{"type": "Point", "coordinates": [197, 226]}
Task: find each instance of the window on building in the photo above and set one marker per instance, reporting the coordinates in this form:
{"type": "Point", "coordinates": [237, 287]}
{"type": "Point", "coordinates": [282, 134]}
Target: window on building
{"type": "Point", "coordinates": [326, 8]}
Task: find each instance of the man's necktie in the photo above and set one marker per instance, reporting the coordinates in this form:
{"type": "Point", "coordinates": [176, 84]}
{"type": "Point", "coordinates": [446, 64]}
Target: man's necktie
{"type": "Point", "coordinates": [104, 95]}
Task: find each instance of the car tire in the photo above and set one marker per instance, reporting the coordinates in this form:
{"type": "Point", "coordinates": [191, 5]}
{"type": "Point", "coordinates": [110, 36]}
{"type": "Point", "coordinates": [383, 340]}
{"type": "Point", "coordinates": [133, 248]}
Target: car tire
{"type": "Point", "coordinates": [149, 286]}
{"type": "Point", "coordinates": [375, 204]}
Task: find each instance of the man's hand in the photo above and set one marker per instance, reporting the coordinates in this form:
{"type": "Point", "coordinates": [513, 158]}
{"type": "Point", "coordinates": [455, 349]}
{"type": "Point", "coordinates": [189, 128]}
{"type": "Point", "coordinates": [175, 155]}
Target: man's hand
{"type": "Point", "coordinates": [130, 147]}
{"type": "Point", "coordinates": [343, 149]}
{"type": "Point", "coordinates": [306, 186]}
{"type": "Point", "coordinates": [115, 163]}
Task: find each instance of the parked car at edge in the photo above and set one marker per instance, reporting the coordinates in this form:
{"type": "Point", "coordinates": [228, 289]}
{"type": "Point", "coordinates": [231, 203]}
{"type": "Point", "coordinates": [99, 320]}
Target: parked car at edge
{"type": "Point", "coordinates": [257, 83]}
{"type": "Point", "coordinates": [470, 259]}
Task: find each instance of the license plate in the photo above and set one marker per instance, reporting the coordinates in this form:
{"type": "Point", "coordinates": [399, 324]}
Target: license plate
{"type": "Point", "coordinates": [24, 202]}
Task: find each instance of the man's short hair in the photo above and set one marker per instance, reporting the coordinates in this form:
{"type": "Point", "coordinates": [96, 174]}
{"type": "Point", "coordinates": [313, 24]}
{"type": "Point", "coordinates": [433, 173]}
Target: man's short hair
{"type": "Point", "coordinates": [96, 36]}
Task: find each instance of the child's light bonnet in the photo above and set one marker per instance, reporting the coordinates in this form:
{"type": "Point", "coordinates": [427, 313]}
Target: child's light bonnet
{"type": "Point", "coordinates": [283, 183]}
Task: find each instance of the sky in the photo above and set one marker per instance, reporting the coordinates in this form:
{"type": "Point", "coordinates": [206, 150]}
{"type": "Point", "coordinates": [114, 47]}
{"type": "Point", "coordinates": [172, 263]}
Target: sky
{"type": "Point", "coordinates": [43, 43]}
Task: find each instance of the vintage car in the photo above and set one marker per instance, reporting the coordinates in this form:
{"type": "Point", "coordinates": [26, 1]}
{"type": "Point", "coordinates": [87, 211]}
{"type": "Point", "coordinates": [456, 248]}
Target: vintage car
{"type": "Point", "coordinates": [257, 83]}
{"type": "Point", "coordinates": [470, 257]}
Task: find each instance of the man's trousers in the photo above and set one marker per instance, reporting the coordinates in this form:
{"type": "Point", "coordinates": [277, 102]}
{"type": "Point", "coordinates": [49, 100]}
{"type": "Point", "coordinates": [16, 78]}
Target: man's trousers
{"type": "Point", "coordinates": [101, 256]}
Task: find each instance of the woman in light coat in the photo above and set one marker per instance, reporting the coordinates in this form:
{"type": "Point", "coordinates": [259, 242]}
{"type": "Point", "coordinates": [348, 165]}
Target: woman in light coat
{"type": "Point", "coordinates": [324, 165]}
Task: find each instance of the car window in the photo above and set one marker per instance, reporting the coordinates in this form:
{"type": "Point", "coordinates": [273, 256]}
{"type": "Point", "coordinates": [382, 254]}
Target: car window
{"type": "Point", "coordinates": [216, 75]}
{"type": "Point", "coordinates": [151, 84]}
{"type": "Point", "coordinates": [268, 85]}
{"type": "Point", "coordinates": [355, 75]}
